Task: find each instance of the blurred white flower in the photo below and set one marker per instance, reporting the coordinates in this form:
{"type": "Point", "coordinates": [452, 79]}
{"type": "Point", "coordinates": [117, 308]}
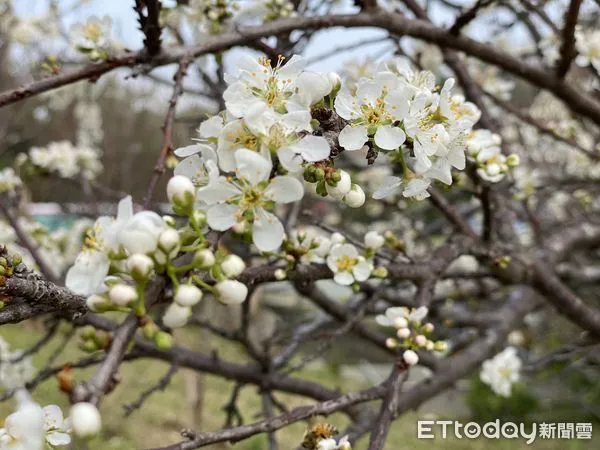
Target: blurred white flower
{"type": "Point", "coordinates": [502, 371]}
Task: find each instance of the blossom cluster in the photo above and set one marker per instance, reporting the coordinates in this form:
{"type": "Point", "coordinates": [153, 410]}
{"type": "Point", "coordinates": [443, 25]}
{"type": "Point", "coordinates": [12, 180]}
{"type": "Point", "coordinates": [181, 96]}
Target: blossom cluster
{"type": "Point", "coordinates": [348, 265]}
{"type": "Point", "coordinates": [208, 16]}
{"type": "Point", "coordinates": [400, 112]}
{"type": "Point", "coordinates": [264, 139]}
{"type": "Point", "coordinates": [9, 180]}
{"type": "Point", "coordinates": [93, 38]}
{"type": "Point", "coordinates": [411, 333]}
{"type": "Point", "coordinates": [32, 427]}
{"type": "Point", "coordinates": [484, 147]}
{"type": "Point", "coordinates": [587, 43]}
{"type": "Point", "coordinates": [121, 254]}
{"type": "Point", "coordinates": [275, 9]}
{"type": "Point", "coordinates": [502, 371]}
{"type": "Point", "coordinates": [64, 159]}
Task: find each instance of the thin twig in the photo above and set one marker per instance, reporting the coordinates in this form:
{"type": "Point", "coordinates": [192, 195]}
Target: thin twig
{"type": "Point", "coordinates": [167, 129]}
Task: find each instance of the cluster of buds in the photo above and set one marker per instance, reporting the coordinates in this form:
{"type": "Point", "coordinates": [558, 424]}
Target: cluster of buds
{"type": "Point", "coordinates": [484, 148]}
{"type": "Point", "coordinates": [335, 183]}
{"type": "Point", "coordinates": [93, 38]}
{"type": "Point", "coordinates": [91, 340]}
{"type": "Point", "coordinates": [8, 263]}
{"type": "Point", "coordinates": [276, 9]}
{"type": "Point", "coordinates": [217, 13]}
{"type": "Point", "coordinates": [412, 333]}
{"type": "Point", "coordinates": [120, 296]}
{"type": "Point", "coordinates": [162, 339]}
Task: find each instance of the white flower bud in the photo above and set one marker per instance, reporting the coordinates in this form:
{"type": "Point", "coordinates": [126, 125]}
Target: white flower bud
{"type": "Point", "coordinates": [280, 274]}
{"type": "Point", "coordinates": [231, 292]}
{"type": "Point", "coordinates": [204, 258]}
{"type": "Point", "coordinates": [213, 15]}
{"type": "Point", "coordinates": [391, 343]}
{"type": "Point", "coordinates": [181, 192]}
{"type": "Point", "coordinates": [428, 328]}
{"type": "Point", "coordinates": [85, 419]}
{"type": "Point", "coordinates": [440, 346]}
{"type": "Point", "coordinates": [239, 227]}
{"type": "Point", "coordinates": [429, 346]}
{"type": "Point", "coordinates": [187, 295]}
{"type": "Point", "coordinates": [492, 169]}
{"type": "Point", "coordinates": [356, 197]}
{"type": "Point", "coordinates": [342, 187]}
{"type": "Point", "coordinates": [176, 316]}
{"type": "Point", "coordinates": [410, 357]}
{"type": "Point", "coordinates": [400, 322]}
{"type": "Point", "coordinates": [421, 340]}
{"type": "Point", "coordinates": [232, 266]}
{"type": "Point", "coordinates": [374, 240]}
{"type": "Point", "coordinates": [513, 160]}
{"type": "Point", "coordinates": [169, 221]}
{"type": "Point", "coordinates": [97, 303]}
{"type": "Point", "coordinates": [122, 294]}
{"type": "Point", "coordinates": [140, 266]}
{"type": "Point", "coordinates": [335, 80]}
{"type": "Point", "coordinates": [169, 241]}
{"type": "Point", "coordinates": [403, 333]}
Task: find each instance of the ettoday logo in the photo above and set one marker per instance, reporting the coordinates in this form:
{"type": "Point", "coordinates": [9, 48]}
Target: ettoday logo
{"type": "Point", "coordinates": [432, 429]}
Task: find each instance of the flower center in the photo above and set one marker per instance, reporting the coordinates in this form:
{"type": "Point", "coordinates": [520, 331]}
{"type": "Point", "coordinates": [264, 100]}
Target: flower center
{"type": "Point", "coordinates": [251, 198]}
{"type": "Point", "coordinates": [92, 31]}
{"type": "Point", "coordinates": [244, 138]}
{"type": "Point", "coordinates": [346, 263]}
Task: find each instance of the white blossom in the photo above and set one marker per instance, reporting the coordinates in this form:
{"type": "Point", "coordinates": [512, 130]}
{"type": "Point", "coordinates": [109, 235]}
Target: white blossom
{"type": "Point", "coordinates": [588, 48]}
{"type": "Point", "coordinates": [374, 240]}
{"type": "Point", "coordinates": [372, 109]}
{"type": "Point", "coordinates": [247, 197]}
{"type": "Point", "coordinates": [24, 429]}
{"type": "Point", "coordinates": [9, 180]}
{"type": "Point", "coordinates": [347, 265]}
{"type": "Point", "coordinates": [502, 371]}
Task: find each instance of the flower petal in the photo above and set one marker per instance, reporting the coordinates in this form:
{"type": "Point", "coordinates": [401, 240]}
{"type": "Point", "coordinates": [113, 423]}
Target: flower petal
{"type": "Point", "coordinates": [312, 148]}
{"type": "Point", "coordinates": [284, 189]}
{"type": "Point", "coordinates": [217, 191]}
{"type": "Point", "coordinates": [222, 217]}
{"type": "Point", "coordinates": [57, 438]}
{"type": "Point", "coordinates": [252, 167]}
{"type": "Point", "coordinates": [267, 231]}
{"type": "Point", "coordinates": [353, 137]}
{"type": "Point", "coordinates": [362, 271]}
{"type": "Point", "coordinates": [343, 278]}
{"type": "Point", "coordinates": [211, 127]}
{"type": "Point", "coordinates": [388, 185]}
{"type": "Point", "coordinates": [86, 276]}
{"type": "Point", "coordinates": [388, 137]}
{"type": "Point", "coordinates": [189, 150]}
